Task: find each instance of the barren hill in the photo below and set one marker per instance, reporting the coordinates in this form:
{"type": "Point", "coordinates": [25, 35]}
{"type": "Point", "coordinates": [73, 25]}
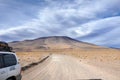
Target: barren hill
{"type": "Point", "coordinates": [53, 42]}
{"type": "Point", "coordinates": [71, 58]}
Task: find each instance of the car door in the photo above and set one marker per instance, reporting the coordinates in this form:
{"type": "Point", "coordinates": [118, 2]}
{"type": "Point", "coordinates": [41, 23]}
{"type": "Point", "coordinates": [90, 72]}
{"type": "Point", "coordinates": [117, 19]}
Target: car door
{"type": "Point", "coordinates": [3, 71]}
{"type": "Point", "coordinates": [10, 63]}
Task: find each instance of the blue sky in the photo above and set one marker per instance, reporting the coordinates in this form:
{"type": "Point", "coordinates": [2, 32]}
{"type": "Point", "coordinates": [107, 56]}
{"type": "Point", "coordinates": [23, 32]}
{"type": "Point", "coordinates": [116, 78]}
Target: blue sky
{"type": "Point", "coordinates": [93, 21]}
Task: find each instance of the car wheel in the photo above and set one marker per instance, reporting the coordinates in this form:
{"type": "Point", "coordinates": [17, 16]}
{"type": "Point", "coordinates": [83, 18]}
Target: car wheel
{"type": "Point", "coordinates": [10, 79]}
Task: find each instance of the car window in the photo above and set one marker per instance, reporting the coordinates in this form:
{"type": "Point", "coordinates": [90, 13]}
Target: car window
{"type": "Point", "coordinates": [1, 61]}
{"type": "Point", "coordinates": [9, 60]}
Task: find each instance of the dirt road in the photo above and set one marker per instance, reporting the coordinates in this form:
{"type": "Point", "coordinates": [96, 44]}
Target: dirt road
{"type": "Point", "coordinates": [64, 67]}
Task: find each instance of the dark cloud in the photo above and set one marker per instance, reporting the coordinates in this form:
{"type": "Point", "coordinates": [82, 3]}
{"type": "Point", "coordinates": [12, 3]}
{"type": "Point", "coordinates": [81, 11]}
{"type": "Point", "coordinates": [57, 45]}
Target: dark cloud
{"type": "Point", "coordinates": [97, 33]}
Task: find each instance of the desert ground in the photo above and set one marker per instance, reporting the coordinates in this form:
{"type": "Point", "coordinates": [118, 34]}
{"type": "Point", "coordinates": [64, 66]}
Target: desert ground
{"type": "Point", "coordinates": [100, 63]}
{"type": "Point", "coordinates": [27, 58]}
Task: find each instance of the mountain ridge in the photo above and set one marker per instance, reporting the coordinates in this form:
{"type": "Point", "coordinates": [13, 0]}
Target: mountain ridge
{"type": "Point", "coordinates": [51, 42]}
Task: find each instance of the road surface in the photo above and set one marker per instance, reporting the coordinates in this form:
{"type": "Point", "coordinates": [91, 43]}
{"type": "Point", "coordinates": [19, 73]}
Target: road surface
{"type": "Point", "coordinates": [64, 67]}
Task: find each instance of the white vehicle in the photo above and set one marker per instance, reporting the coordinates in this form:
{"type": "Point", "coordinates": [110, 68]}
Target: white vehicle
{"type": "Point", "coordinates": [10, 68]}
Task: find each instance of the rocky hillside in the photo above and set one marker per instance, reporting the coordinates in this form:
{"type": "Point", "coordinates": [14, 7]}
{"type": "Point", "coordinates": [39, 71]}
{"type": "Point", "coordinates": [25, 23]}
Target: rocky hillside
{"type": "Point", "coordinates": [53, 42]}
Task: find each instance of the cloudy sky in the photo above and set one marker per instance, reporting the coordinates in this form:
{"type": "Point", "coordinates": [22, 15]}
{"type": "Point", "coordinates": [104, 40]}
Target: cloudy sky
{"type": "Point", "coordinates": [94, 21]}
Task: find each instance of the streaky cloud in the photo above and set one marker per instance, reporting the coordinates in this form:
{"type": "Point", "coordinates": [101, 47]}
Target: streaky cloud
{"type": "Point", "coordinates": [94, 21]}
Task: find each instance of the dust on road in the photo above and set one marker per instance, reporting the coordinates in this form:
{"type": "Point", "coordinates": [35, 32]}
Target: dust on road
{"type": "Point", "coordinates": [64, 67]}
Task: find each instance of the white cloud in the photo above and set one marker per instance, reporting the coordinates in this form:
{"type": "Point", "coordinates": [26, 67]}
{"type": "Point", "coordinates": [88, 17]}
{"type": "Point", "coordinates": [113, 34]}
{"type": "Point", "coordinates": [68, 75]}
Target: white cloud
{"type": "Point", "coordinates": [104, 31]}
{"type": "Point", "coordinates": [77, 18]}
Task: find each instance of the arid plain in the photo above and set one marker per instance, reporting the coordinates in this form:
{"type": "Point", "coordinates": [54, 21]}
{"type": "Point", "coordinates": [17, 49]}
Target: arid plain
{"type": "Point", "coordinates": [104, 62]}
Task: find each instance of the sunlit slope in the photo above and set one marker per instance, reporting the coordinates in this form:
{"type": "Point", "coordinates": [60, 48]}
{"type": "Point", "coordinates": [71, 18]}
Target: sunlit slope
{"type": "Point", "coordinates": [53, 42]}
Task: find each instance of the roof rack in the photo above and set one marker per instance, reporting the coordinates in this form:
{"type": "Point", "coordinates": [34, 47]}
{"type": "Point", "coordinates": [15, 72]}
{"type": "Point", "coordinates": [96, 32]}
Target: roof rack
{"type": "Point", "coordinates": [5, 47]}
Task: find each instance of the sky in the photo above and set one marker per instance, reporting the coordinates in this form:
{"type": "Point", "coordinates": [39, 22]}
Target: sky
{"type": "Point", "coordinates": [93, 21]}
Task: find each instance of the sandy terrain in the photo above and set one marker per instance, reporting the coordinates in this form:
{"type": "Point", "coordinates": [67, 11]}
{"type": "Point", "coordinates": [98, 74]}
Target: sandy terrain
{"type": "Point", "coordinates": [69, 64]}
{"type": "Point", "coordinates": [64, 67]}
{"type": "Point", "coordinates": [27, 58]}
{"type": "Point", "coordinates": [71, 59]}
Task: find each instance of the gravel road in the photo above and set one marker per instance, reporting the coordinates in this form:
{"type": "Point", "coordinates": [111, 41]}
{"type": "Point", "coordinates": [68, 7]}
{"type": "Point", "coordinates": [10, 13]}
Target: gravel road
{"type": "Point", "coordinates": [64, 67]}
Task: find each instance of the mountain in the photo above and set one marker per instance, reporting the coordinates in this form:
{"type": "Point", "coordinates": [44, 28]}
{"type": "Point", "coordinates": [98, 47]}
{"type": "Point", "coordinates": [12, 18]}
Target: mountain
{"type": "Point", "coordinates": [52, 42]}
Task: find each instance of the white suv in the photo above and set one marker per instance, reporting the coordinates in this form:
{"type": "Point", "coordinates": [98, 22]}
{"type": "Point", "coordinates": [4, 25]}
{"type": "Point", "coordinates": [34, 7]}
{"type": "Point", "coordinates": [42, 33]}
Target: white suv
{"type": "Point", "coordinates": [10, 68]}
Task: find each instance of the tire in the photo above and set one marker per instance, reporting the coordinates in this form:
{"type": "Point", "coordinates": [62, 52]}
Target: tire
{"type": "Point", "coordinates": [10, 79]}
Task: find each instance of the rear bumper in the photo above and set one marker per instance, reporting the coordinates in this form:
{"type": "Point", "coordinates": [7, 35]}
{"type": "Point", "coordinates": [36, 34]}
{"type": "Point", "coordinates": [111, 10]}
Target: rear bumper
{"type": "Point", "coordinates": [19, 77]}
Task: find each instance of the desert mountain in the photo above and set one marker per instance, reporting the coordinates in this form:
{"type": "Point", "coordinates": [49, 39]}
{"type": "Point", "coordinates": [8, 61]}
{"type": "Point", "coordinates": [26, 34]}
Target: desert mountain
{"type": "Point", "coordinates": [53, 42]}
